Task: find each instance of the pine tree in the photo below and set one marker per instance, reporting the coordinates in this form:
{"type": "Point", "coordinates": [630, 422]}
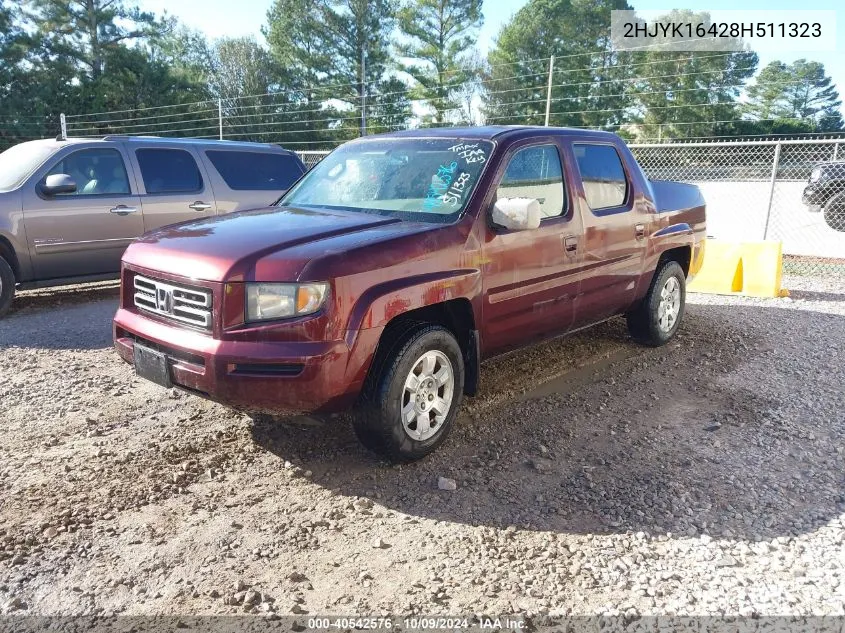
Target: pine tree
{"type": "Point", "coordinates": [440, 36]}
{"type": "Point", "coordinates": [800, 91]}
{"type": "Point", "coordinates": [588, 87]}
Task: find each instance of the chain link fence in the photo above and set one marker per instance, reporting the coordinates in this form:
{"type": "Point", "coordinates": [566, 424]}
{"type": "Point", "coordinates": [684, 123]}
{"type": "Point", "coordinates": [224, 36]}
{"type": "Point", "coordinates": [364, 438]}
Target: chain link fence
{"type": "Point", "coordinates": [753, 191]}
{"type": "Point", "coordinates": [311, 158]}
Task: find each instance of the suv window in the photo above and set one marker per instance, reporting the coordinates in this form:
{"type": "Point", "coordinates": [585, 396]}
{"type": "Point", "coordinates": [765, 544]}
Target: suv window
{"type": "Point", "coordinates": [169, 171]}
{"type": "Point", "coordinates": [95, 171]}
{"type": "Point", "coordinates": [535, 172]}
{"type": "Point", "coordinates": [605, 185]}
{"type": "Point", "coordinates": [254, 171]}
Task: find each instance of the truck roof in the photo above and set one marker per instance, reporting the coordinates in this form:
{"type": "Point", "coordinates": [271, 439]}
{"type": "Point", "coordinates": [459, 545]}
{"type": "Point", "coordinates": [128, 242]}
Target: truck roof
{"type": "Point", "coordinates": [490, 132]}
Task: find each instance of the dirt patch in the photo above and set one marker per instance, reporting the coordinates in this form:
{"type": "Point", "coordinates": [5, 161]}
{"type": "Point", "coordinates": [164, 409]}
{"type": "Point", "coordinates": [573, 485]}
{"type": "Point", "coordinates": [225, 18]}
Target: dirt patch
{"type": "Point", "coordinates": [593, 476]}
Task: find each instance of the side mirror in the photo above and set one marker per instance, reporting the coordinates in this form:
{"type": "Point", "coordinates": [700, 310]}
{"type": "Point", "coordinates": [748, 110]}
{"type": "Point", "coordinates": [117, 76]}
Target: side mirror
{"type": "Point", "coordinates": [58, 184]}
{"type": "Point", "coordinates": [517, 214]}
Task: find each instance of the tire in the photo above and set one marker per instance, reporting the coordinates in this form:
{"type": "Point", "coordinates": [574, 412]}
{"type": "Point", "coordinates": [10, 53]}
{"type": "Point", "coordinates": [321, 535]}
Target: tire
{"type": "Point", "coordinates": [430, 351]}
{"type": "Point", "coordinates": [651, 323]}
{"type": "Point", "coordinates": [7, 286]}
{"type": "Point", "coordinates": [834, 212]}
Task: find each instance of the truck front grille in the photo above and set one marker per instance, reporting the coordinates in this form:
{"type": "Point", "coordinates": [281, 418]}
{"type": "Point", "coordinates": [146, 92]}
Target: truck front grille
{"type": "Point", "coordinates": [191, 306]}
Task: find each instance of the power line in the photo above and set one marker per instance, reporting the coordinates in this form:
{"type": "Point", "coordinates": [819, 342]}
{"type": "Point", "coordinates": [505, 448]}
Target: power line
{"type": "Point", "coordinates": [76, 131]}
{"type": "Point", "coordinates": [563, 71]}
{"type": "Point", "coordinates": [153, 116]}
{"type": "Point", "coordinates": [174, 105]}
{"type": "Point", "coordinates": [138, 122]}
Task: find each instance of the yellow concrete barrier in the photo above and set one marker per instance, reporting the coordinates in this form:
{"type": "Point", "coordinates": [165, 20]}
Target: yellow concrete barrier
{"type": "Point", "coordinates": [745, 268]}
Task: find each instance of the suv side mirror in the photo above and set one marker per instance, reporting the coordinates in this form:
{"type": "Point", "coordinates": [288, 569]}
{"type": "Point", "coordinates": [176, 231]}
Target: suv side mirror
{"type": "Point", "coordinates": [57, 184]}
{"type": "Point", "coordinates": [517, 214]}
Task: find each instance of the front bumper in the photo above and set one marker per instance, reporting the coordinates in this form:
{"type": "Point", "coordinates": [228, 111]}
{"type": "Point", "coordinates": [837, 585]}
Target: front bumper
{"type": "Point", "coordinates": [812, 198]}
{"type": "Point", "coordinates": [256, 376]}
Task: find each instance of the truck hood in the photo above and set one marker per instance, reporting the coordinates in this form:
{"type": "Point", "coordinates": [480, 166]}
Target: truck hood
{"type": "Point", "coordinates": [227, 247]}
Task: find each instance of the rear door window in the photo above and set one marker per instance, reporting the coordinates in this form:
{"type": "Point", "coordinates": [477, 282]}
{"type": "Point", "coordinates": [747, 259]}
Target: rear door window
{"type": "Point", "coordinates": [169, 171]}
{"type": "Point", "coordinates": [256, 171]}
{"type": "Point", "coordinates": [605, 184]}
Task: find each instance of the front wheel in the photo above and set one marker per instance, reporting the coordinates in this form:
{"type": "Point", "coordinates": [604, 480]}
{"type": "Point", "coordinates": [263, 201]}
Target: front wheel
{"type": "Point", "coordinates": [7, 286]}
{"type": "Point", "coordinates": [656, 320]}
{"type": "Point", "coordinates": [834, 212]}
{"type": "Point", "coordinates": [410, 402]}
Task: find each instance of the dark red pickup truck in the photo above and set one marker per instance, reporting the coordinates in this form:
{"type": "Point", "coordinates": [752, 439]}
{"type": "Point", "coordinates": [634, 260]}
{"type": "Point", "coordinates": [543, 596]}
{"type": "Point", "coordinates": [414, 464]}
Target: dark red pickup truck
{"type": "Point", "coordinates": [385, 276]}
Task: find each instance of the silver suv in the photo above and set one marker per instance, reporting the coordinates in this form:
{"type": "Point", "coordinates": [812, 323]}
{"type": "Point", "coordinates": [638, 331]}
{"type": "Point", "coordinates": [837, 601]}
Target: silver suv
{"type": "Point", "coordinates": [69, 208]}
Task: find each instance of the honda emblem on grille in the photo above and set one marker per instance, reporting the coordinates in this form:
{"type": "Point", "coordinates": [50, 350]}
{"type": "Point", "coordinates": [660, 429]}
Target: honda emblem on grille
{"type": "Point", "coordinates": [164, 300]}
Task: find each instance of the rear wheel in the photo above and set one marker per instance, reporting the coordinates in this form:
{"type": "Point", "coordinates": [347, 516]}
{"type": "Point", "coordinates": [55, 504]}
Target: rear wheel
{"type": "Point", "coordinates": [834, 212]}
{"type": "Point", "coordinates": [410, 401]}
{"type": "Point", "coordinates": [656, 320]}
{"type": "Point", "coordinates": [7, 286]}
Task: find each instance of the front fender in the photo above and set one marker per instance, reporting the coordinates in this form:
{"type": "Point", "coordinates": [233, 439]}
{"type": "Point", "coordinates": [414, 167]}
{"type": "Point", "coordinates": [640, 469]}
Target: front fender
{"type": "Point", "coordinates": [13, 232]}
{"type": "Point", "coordinates": [382, 303]}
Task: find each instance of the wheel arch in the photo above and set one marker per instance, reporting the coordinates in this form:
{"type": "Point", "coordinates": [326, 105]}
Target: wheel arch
{"type": "Point", "coordinates": [456, 315]}
{"type": "Point", "coordinates": [680, 254]}
{"type": "Point", "coordinates": [7, 252]}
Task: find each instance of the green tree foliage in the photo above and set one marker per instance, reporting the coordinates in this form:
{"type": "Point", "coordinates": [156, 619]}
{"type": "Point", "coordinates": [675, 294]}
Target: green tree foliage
{"type": "Point", "coordinates": [440, 37]}
{"type": "Point", "coordinates": [90, 31]}
{"type": "Point", "coordinates": [588, 74]}
{"type": "Point", "coordinates": [187, 53]}
{"type": "Point", "coordinates": [16, 118]}
{"type": "Point", "coordinates": [87, 56]}
{"type": "Point", "coordinates": [688, 94]}
{"type": "Point", "coordinates": [336, 52]}
{"type": "Point", "coordinates": [299, 44]}
{"type": "Point", "coordinates": [360, 32]}
{"type": "Point", "coordinates": [243, 75]}
{"type": "Point", "coordinates": [800, 92]}
{"type": "Point", "coordinates": [391, 107]}
{"type": "Point", "coordinates": [114, 68]}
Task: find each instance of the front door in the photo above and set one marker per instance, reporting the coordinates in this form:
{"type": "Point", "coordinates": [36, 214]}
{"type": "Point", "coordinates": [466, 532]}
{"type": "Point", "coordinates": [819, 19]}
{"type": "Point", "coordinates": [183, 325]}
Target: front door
{"type": "Point", "coordinates": [530, 277]}
{"type": "Point", "coordinates": [85, 232]}
{"type": "Point", "coordinates": [174, 186]}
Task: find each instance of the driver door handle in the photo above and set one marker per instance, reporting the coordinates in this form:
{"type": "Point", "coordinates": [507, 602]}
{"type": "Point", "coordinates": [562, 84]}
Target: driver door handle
{"type": "Point", "coordinates": [570, 244]}
{"type": "Point", "coordinates": [640, 231]}
{"type": "Point", "coordinates": [122, 209]}
{"type": "Point", "coordinates": [199, 205]}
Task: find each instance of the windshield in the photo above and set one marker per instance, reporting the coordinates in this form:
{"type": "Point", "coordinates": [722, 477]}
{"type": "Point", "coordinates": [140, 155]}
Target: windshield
{"type": "Point", "coordinates": [427, 180]}
{"type": "Point", "coordinates": [18, 162]}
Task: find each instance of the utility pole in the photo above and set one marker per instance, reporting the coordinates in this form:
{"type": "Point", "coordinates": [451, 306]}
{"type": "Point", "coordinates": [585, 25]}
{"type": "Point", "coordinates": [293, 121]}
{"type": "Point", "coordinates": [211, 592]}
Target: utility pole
{"type": "Point", "coordinates": [772, 183]}
{"type": "Point", "coordinates": [363, 93]}
{"type": "Point", "coordinates": [220, 116]}
{"type": "Point", "coordinates": [549, 89]}
{"type": "Point", "coordinates": [63, 126]}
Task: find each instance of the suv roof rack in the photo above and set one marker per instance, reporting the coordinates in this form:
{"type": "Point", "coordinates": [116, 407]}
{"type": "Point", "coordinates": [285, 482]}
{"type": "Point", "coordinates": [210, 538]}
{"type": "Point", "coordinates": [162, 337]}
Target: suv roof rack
{"type": "Point", "coordinates": [210, 141]}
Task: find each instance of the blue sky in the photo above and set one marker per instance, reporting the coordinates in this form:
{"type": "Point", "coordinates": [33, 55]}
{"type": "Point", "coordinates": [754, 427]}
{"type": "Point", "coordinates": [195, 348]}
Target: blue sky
{"type": "Point", "coordinates": [221, 17]}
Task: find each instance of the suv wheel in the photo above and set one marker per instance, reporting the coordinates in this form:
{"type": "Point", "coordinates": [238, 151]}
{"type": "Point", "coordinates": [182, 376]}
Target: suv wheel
{"type": "Point", "coordinates": [834, 212]}
{"type": "Point", "coordinates": [409, 404]}
{"type": "Point", "coordinates": [7, 286]}
{"type": "Point", "coordinates": [656, 320]}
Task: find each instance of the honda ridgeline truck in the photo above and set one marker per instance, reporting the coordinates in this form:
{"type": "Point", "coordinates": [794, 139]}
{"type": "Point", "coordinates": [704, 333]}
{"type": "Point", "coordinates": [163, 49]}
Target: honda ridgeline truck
{"type": "Point", "coordinates": [390, 271]}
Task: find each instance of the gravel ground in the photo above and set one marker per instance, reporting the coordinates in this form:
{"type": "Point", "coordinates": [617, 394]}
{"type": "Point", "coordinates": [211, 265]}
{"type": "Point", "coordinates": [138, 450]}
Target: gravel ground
{"type": "Point", "coordinates": [592, 476]}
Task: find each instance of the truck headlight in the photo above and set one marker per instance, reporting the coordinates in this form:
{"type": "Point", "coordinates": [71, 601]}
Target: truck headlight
{"type": "Point", "coordinates": [277, 301]}
{"type": "Point", "coordinates": [816, 174]}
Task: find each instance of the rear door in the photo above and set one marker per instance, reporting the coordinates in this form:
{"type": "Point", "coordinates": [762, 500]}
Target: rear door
{"type": "Point", "coordinates": [613, 245]}
{"type": "Point", "coordinates": [174, 186]}
{"type": "Point", "coordinates": [530, 277]}
{"type": "Point", "coordinates": [86, 232]}
{"type": "Point", "coordinates": [250, 178]}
